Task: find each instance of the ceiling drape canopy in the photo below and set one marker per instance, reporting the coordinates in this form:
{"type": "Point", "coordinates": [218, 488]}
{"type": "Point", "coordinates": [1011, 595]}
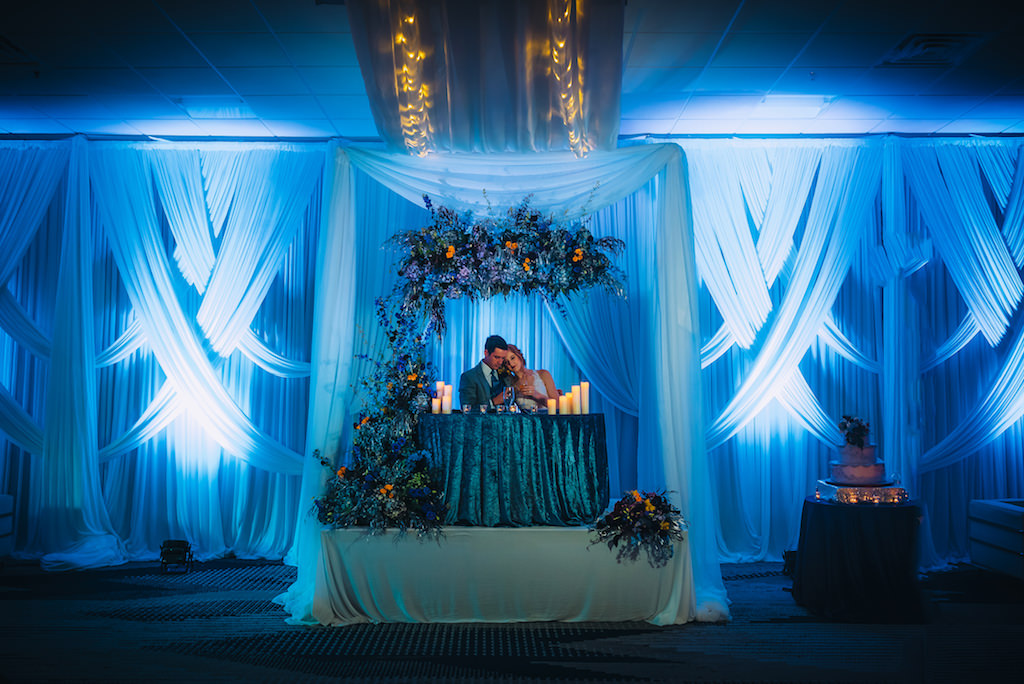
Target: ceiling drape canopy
{"type": "Point", "coordinates": [491, 75]}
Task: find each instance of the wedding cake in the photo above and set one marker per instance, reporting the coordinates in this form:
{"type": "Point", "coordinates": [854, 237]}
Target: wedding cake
{"type": "Point", "coordinates": [857, 467]}
{"type": "Point", "coordinates": [858, 476]}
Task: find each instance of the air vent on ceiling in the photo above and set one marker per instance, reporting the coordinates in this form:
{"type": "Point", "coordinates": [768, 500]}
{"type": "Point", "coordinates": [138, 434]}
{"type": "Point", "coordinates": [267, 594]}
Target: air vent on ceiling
{"type": "Point", "coordinates": [12, 55]}
{"type": "Point", "coordinates": [933, 50]}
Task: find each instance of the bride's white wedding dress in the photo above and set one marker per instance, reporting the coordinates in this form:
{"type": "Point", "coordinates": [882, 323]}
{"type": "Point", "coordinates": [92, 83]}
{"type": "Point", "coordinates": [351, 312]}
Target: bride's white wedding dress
{"type": "Point", "coordinates": [527, 403]}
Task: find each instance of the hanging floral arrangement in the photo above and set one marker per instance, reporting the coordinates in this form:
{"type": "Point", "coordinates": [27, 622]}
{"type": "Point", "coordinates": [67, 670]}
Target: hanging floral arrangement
{"type": "Point", "coordinates": [521, 252]}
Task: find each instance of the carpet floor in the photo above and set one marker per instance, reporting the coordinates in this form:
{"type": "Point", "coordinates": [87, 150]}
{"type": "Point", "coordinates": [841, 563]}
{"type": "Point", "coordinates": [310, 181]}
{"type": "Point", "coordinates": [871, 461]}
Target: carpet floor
{"type": "Point", "coordinates": [218, 623]}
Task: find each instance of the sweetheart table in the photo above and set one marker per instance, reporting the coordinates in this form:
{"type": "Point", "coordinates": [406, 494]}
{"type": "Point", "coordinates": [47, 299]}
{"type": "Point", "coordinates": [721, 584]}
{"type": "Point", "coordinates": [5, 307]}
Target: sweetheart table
{"type": "Point", "coordinates": [519, 469]}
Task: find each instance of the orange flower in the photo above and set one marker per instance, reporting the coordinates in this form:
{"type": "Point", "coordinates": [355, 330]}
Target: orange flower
{"type": "Point", "coordinates": [451, 251]}
{"type": "Point", "coordinates": [515, 245]}
{"type": "Point", "coordinates": [419, 385]}
{"type": "Point", "coordinates": [636, 495]}
{"type": "Point", "coordinates": [526, 264]}
{"type": "Point", "coordinates": [411, 377]}
{"type": "Point", "coordinates": [665, 525]}
{"type": "Point", "coordinates": [341, 471]}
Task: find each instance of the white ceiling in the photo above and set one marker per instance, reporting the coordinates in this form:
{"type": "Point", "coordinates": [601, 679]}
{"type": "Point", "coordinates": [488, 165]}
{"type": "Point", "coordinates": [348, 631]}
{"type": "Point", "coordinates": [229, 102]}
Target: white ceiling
{"type": "Point", "coordinates": [287, 69]}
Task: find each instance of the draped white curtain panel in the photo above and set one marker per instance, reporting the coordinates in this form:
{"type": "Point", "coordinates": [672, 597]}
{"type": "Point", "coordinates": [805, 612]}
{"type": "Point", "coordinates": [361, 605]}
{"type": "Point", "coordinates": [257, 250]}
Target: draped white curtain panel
{"type": "Point", "coordinates": [179, 323]}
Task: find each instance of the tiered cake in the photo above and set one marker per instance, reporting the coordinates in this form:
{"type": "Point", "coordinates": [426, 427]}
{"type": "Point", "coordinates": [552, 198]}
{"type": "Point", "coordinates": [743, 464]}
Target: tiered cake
{"type": "Point", "coordinates": [858, 476]}
{"type": "Point", "coordinates": [857, 467]}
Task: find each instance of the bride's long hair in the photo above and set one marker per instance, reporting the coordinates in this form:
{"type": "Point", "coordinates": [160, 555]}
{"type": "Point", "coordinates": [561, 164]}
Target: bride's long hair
{"type": "Point", "coordinates": [522, 359]}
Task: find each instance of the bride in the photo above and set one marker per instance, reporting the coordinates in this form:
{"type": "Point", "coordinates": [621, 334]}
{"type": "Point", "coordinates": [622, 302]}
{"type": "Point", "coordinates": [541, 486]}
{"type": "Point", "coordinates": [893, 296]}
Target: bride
{"type": "Point", "coordinates": [533, 387]}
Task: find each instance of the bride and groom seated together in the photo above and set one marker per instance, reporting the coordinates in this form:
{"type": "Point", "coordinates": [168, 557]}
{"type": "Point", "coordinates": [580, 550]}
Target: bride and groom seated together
{"type": "Point", "coordinates": [501, 375]}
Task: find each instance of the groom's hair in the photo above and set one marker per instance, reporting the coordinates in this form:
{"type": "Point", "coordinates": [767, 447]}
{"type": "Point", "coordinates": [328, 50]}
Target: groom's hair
{"type": "Point", "coordinates": [495, 342]}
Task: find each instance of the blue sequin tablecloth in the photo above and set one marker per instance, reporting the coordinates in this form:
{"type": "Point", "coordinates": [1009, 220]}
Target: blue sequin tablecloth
{"type": "Point", "coordinates": [519, 469]}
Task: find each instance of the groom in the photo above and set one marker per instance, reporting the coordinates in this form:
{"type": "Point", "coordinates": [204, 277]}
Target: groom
{"type": "Point", "coordinates": [481, 384]}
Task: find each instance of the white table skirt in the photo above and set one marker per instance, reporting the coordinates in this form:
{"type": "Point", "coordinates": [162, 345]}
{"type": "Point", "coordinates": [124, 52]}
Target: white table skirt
{"type": "Point", "coordinates": [481, 574]}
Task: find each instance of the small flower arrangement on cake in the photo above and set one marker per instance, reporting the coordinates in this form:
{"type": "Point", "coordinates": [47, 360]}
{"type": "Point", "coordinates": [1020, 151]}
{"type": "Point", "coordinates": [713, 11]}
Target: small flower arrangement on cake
{"type": "Point", "coordinates": [855, 431]}
{"type": "Point", "coordinates": [644, 521]}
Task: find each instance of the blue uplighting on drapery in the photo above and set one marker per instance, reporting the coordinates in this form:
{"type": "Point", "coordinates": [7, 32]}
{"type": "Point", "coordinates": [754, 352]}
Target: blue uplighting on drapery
{"type": "Point", "coordinates": [873, 276]}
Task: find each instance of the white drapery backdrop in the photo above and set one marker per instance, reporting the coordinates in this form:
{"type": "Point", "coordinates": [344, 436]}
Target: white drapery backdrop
{"type": "Point", "coordinates": [911, 339]}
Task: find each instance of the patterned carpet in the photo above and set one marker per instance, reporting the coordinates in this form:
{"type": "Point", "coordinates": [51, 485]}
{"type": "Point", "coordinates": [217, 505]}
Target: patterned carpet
{"type": "Point", "coordinates": [218, 624]}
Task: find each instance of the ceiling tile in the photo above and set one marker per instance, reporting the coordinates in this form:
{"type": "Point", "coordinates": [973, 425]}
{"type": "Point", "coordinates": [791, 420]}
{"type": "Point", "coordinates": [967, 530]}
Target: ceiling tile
{"type": "Point", "coordinates": [672, 49]}
{"type": "Point", "coordinates": [818, 81]}
{"type": "Point", "coordinates": [288, 15]}
{"type": "Point", "coordinates": [14, 107]}
{"type": "Point", "coordinates": [880, 16]}
{"type": "Point", "coordinates": [853, 108]}
{"type": "Point", "coordinates": [175, 82]}
{"type": "Point", "coordinates": [999, 107]}
{"type": "Point", "coordinates": [848, 49]}
{"type": "Point", "coordinates": [139, 107]}
{"type": "Point", "coordinates": [977, 126]}
{"type": "Point", "coordinates": [794, 15]}
{"type": "Point", "coordinates": [704, 127]}
{"type": "Point", "coordinates": [897, 81]}
{"type": "Point", "coordinates": [727, 106]}
{"type": "Point", "coordinates": [917, 126]}
{"type": "Point", "coordinates": [240, 49]}
{"type": "Point", "coordinates": [728, 80]}
{"type": "Point", "coordinates": [70, 107]}
{"type": "Point", "coordinates": [285, 106]}
{"type": "Point", "coordinates": [770, 126]}
{"type": "Point", "coordinates": [334, 80]}
{"type": "Point", "coordinates": [650, 106]}
{"type": "Point", "coordinates": [837, 126]}
{"type": "Point", "coordinates": [235, 128]}
{"type": "Point", "coordinates": [645, 126]}
{"type": "Point", "coordinates": [931, 107]}
{"type": "Point", "coordinates": [154, 49]}
{"type": "Point", "coordinates": [265, 81]}
{"type": "Point", "coordinates": [301, 128]}
{"type": "Point", "coordinates": [671, 81]}
{"type": "Point", "coordinates": [168, 127]}
{"type": "Point", "coordinates": [221, 15]}
{"type": "Point", "coordinates": [356, 128]}
{"type": "Point", "coordinates": [346, 106]}
{"type": "Point", "coordinates": [320, 49]}
{"type": "Point", "coordinates": [54, 50]}
{"type": "Point", "coordinates": [34, 127]}
{"type": "Point", "coordinates": [652, 16]}
{"type": "Point", "coordinates": [759, 49]}
{"type": "Point", "coordinates": [101, 127]}
{"type": "Point", "coordinates": [963, 81]}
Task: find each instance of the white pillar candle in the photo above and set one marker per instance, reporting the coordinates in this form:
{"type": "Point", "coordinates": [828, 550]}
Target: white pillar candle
{"type": "Point", "coordinates": [446, 404]}
{"type": "Point", "coordinates": [563, 404]}
{"type": "Point", "coordinates": [584, 397]}
{"type": "Point", "coordinates": [439, 388]}
{"type": "Point", "coordinates": [553, 407]}
{"type": "Point", "coordinates": [576, 401]}
{"type": "Point", "coordinates": [435, 405]}
{"type": "Point", "coordinates": [447, 390]}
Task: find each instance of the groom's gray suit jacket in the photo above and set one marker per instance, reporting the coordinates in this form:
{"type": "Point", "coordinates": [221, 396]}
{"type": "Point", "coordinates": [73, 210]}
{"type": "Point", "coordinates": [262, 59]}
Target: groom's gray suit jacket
{"type": "Point", "coordinates": [474, 386]}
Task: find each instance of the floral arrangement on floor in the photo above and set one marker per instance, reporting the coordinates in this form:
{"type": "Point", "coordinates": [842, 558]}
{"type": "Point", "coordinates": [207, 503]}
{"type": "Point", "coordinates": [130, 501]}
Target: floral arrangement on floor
{"type": "Point", "coordinates": [644, 521]}
{"type": "Point", "coordinates": [854, 431]}
{"type": "Point", "coordinates": [520, 252]}
{"type": "Point", "coordinates": [388, 483]}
